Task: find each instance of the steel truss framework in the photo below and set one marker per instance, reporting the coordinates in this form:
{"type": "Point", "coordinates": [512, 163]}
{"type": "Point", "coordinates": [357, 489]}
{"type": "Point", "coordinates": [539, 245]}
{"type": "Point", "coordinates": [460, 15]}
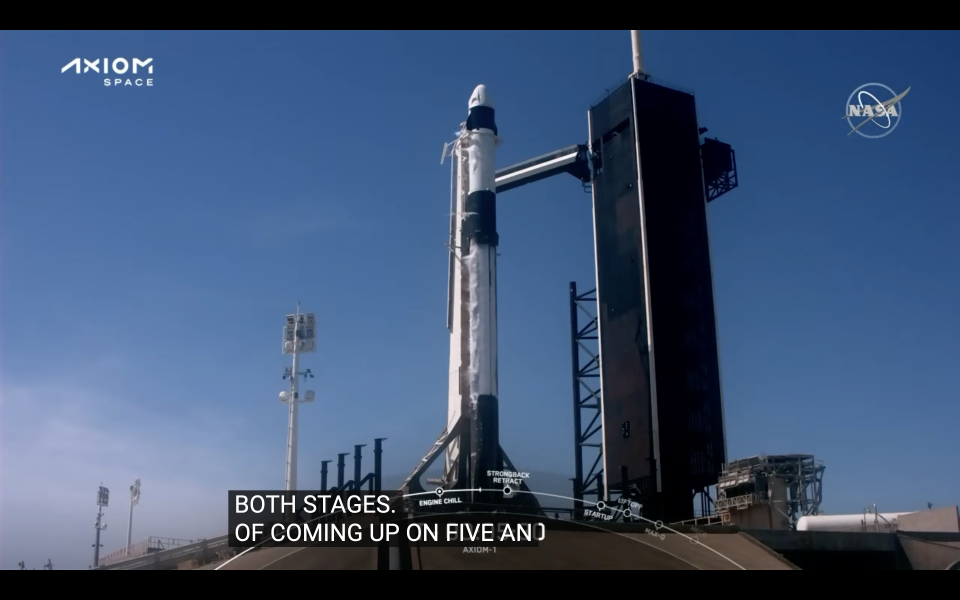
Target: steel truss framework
{"type": "Point", "coordinates": [585, 355]}
{"type": "Point", "coordinates": [802, 475]}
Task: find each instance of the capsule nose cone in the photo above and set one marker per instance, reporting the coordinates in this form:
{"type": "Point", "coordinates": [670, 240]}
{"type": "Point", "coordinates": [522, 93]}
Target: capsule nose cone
{"type": "Point", "coordinates": [480, 97]}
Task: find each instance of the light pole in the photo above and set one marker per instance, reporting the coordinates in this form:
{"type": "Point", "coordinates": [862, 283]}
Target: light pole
{"type": "Point", "coordinates": [134, 500]}
{"type": "Point", "coordinates": [299, 336]}
{"type": "Point", "coordinates": [103, 501]}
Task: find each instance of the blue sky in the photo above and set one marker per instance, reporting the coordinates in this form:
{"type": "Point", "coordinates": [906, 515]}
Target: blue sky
{"type": "Point", "coordinates": [152, 240]}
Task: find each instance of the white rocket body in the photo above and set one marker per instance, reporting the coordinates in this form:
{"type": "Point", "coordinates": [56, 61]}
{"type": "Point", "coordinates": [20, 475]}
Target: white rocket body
{"type": "Point", "coordinates": [458, 329]}
{"type": "Point", "coordinates": [473, 330]}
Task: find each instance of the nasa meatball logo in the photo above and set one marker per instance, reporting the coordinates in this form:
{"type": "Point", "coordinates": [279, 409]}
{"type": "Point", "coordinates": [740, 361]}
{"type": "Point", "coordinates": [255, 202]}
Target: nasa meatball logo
{"type": "Point", "coordinates": [874, 110]}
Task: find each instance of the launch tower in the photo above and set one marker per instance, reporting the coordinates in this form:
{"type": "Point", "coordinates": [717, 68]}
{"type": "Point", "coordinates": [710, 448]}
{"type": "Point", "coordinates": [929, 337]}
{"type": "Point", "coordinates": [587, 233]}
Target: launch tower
{"type": "Point", "coordinates": [662, 438]}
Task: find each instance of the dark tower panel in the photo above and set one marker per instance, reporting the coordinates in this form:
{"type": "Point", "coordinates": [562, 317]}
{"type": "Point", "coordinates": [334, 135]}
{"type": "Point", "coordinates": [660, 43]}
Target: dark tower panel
{"type": "Point", "coordinates": [692, 441]}
{"type": "Point", "coordinates": [662, 406]}
{"type": "Point", "coordinates": [621, 292]}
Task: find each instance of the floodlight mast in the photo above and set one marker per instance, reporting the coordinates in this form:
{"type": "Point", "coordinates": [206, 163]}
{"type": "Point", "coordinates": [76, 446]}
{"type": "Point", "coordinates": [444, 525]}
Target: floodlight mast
{"type": "Point", "coordinates": [134, 500]}
{"type": "Point", "coordinates": [103, 501]}
{"type": "Point", "coordinates": [299, 336]}
{"type": "Point", "coordinates": [293, 417]}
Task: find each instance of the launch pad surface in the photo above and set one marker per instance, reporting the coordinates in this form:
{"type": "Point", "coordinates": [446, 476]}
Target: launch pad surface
{"type": "Point", "coordinates": [629, 547]}
{"type": "Point", "coordinates": [582, 550]}
{"type": "Point", "coordinates": [560, 550]}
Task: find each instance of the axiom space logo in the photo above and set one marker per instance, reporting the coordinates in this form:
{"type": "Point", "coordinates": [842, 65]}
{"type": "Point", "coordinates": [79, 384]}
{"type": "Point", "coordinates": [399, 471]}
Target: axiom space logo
{"type": "Point", "coordinates": [120, 71]}
{"type": "Point", "coordinates": [870, 116]}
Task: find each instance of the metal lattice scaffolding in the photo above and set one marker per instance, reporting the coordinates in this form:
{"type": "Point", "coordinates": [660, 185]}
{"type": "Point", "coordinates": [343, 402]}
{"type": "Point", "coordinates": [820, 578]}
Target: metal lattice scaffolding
{"type": "Point", "coordinates": [586, 396]}
{"type": "Point", "coordinates": [748, 482]}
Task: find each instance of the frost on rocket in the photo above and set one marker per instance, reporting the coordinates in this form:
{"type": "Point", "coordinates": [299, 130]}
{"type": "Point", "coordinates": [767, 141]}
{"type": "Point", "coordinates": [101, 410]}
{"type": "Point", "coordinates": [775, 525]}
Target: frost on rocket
{"type": "Point", "coordinates": [471, 263]}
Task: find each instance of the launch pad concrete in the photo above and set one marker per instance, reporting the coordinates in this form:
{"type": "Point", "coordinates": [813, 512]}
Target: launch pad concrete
{"type": "Point", "coordinates": [302, 559]}
{"type": "Point", "coordinates": [574, 550]}
{"type": "Point", "coordinates": [721, 549]}
{"type": "Point", "coordinates": [562, 550]}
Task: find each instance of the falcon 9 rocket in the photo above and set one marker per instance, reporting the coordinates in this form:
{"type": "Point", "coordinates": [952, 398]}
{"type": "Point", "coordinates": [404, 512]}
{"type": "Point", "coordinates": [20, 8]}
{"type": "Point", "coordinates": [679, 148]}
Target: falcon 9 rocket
{"type": "Point", "coordinates": [473, 294]}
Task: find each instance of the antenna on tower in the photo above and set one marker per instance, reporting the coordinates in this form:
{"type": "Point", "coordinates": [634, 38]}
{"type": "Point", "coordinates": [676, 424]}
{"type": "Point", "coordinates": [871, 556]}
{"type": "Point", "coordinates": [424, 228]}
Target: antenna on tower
{"type": "Point", "coordinates": [299, 336]}
{"type": "Point", "coordinates": [637, 51]}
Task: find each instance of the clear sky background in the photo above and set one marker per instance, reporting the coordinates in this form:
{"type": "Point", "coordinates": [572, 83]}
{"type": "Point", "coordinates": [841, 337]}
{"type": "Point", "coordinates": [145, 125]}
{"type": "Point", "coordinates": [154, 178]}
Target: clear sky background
{"type": "Point", "coordinates": [153, 240]}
